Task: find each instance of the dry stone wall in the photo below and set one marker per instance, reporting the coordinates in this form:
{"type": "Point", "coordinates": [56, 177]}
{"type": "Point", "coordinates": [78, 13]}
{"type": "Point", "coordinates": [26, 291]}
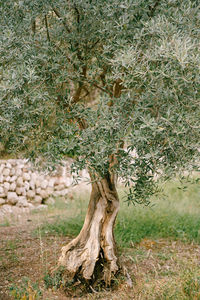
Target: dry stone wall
{"type": "Point", "coordinates": [20, 185]}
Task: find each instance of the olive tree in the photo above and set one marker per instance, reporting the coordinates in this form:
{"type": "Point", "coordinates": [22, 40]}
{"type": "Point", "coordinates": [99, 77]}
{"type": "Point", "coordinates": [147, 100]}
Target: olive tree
{"type": "Point", "coordinates": [100, 80]}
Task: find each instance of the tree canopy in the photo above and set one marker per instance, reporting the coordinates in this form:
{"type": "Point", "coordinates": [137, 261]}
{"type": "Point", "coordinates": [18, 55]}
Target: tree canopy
{"type": "Point", "coordinates": [102, 80]}
{"type": "Point", "coordinates": [88, 77]}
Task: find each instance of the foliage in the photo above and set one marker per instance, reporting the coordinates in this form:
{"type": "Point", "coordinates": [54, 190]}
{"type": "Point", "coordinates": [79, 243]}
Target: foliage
{"type": "Point", "coordinates": [83, 78]}
{"type": "Point", "coordinates": [54, 280]}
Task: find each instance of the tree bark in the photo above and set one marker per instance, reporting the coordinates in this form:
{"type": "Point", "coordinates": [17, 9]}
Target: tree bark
{"type": "Point", "coordinates": [95, 244]}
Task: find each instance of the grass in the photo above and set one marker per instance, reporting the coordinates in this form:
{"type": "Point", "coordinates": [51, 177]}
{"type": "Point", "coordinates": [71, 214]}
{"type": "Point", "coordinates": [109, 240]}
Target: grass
{"type": "Point", "coordinates": [185, 287]}
{"type": "Point", "coordinates": [176, 216]}
{"type": "Point", "coordinates": [5, 223]}
{"type": "Point", "coordinates": [8, 253]}
{"type": "Point", "coordinates": [159, 245]}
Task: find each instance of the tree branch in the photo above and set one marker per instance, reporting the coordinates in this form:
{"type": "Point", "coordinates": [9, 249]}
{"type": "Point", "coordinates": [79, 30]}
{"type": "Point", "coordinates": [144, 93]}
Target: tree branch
{"type": "Point", "coordinates": [86, 92]}
{"type": "Point", "coordinates": [153, 8]}
{"type": "Point", "coordinates": [33, 26]}
{"type": "Point", "coordinates": [90, 48]}
{"type": "Point", "coordinates": [61, 18]}
{"type": "Point", "coordinates": [77, 94]}
{"type": "Point", "coordinates": [77, 13]}
{"type": "Point", "coordinates": [47, 27]}
{"type": "Point", "coordinates": [102, 76]}
{"type": "Point", "coordinates": [117, 88]}
{"type": "Point", "coordinates": [102, 89]}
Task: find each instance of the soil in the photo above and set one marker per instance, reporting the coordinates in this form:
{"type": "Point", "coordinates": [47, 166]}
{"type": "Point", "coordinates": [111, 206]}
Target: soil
{"type": "Point", "coordinates": [24, 254]}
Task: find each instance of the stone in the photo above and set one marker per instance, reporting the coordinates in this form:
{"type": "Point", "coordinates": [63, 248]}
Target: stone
{"type": "Point", "coordinates": [2, 201]}
{"type": "Point", "coordinates": [26, 176]}
{"type": "Point", "coordinates": [7, 208]}
{"type": "Point", "coordinates": [19, 190]}
{"type": "Point", "coordinates": [13, 186]}
{"type": "Point", "coordinates": [38, 199]}
{"type": "Point", "coordinates": [16, 176]}
{"type": "Point", "coordinates": [13, 178]}
{"type": "Point", "coordinates": [8, 165]}
{"type": "Point", "coordinates": [23, 191]}
{"type": "Point", "coordinates": [18, 172]}
{"type": "Point", "coordinates": [32, 184]}
{"type": "Point", "coordinates": [20, 166]}
{"type": "Point", "coordinates": [6, 172]}
{"type": "Point", "coordinates": [30, 194]}
{"type": "Point", "coordinates": [7, 178]}
{"type": "Point", "coordinates": [59, 180]}
{"type": "Point", "coordinates": [2, 166]}
{"type": "Point", "coordinates": [61, 193]}
{"type": "Point", "coordinates": [44, 194]}
{"type": "Point", "coordinates": [68, 181]}
{"type": "Point", "coordinates": [31, 206]}
{"type": "Point", "coordinates": [51, 182]}
{"type": "Point", "coordinates": [44, 184]}
{"type": "Point", "coordinates": [22, 202]}
{"type": "Point", "coordinates": [12, 172]}
{"type": "Point", "coordinates": [26, 185]}
{"type": "Point", "coordinates": [38, 190]}
{"type": "Point", "coordinates": [34, 177]}
{"type": "Point", "coordinates": [50, 201]}
{"type": "Point", "coordinates": [6, 186]}
{"type": "Point", "coordinates": [20, 181]}
{"type": "Point", "coordinates": [50, 190]}
{"type": "Point", "coordinates": [38, 183]}
{"type": "Point", "coordinates": [13, 162]}
{"type": "Point", "coordinates": [1, 178]}
{"type": "Point", "coordinates": [59, 187]}
{"type": "Point", "coordinates": [12, 197]}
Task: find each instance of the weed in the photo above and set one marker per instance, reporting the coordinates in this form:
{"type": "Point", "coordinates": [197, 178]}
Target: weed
{"type": "Point", "coordinates": [27, 291]}
{"type": "Point", "coordinates": [55, 279]}
{"type": "Point", "coordinates": [188, 287]}
{"type": "Point", "coordinates": [11, 245]}
{"type": "Point", "coordinates": [5, 223]}
{"type": "Point", "coordinates": [191, 287]}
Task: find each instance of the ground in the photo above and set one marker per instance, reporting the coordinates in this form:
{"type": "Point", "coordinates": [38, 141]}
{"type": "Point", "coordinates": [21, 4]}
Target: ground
{"type": "Point", "coordinates": [153, 268]}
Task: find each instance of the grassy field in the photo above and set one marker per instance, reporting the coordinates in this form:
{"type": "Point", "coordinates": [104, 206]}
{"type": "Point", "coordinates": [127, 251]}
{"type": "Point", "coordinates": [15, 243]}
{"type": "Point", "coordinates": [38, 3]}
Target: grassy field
{"type": "Point", "coordinates": [176, 216]}
{"type": "Point", "coordinates": [159, 245]}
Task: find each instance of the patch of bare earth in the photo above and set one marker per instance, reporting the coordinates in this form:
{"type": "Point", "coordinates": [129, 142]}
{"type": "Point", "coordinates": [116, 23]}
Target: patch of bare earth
{"type": "Point", "coordinates": [154, 269]}
{"type": "Point", "coordinates": [24, 254]}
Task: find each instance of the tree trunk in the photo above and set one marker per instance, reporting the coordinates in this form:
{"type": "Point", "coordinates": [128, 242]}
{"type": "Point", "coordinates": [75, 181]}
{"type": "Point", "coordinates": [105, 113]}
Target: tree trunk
{"type": "Point", "coordinates": [95, 244]}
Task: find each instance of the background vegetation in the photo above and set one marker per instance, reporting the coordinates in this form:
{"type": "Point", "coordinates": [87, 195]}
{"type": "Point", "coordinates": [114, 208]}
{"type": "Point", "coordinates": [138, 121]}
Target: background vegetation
{"type": "Point", "coordinates": [175, 215]}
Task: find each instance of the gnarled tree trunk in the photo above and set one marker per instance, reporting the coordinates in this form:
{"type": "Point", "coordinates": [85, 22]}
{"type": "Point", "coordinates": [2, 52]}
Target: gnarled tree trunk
{"type": "Point", "coordinates": [95, 243]}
